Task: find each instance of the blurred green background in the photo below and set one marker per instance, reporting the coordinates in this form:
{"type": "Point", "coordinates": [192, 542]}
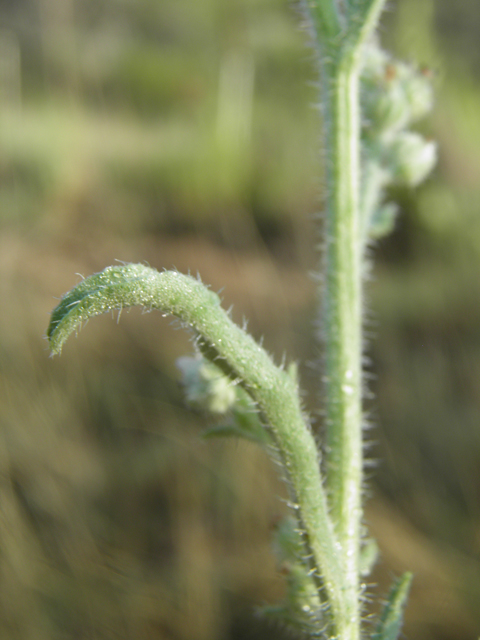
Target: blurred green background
{"type": "Point", "coordinates": [185, 133]}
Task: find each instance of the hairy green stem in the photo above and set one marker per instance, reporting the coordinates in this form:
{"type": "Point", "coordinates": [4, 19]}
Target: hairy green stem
{"type": "Point", "coordinates": [232, 349]}
{"type": "Point", "coordinates": [341, 305]}
{"type": "Point", "coordinates": [342, 322]}
{"type": "Point", "coordinates": [364, 17]}
{"type": "Point", "coordinates": [325, 17]}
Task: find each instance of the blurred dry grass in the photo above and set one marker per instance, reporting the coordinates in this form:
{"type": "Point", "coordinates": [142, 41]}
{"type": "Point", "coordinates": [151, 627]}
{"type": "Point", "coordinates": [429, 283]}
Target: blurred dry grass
{"type": "Point", "coordinates": [133, 139]}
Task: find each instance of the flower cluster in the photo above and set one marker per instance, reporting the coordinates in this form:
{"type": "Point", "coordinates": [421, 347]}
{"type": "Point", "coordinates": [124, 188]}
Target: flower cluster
{"type": "Point", "coordinates": [394, 96]}
{"type": "Point", "coordinates": [206, 387]}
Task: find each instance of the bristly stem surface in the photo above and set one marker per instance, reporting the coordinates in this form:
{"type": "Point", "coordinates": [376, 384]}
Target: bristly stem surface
{"type": "Point", "coordinates": [274, 391]}
{"type": "Point", "coordinates": [340, 320]}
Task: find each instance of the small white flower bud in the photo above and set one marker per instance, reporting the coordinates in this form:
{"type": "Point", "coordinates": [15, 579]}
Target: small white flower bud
{"type": "Point", "coordinates": [419, 94]}
{"type": "Point", "coordinates": [394, 94]}
{"type": "Point", "coordinates": [411, 158]}
{"type": "Point", "coordinates": [206, 386]}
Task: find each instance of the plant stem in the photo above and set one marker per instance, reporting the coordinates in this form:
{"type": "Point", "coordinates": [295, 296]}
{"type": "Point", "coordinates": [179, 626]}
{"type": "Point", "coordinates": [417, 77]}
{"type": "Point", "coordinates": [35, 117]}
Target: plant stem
{"type": "Point", "coordinates": [274, 391]}
{"type": "Point", "coordinates": [342, 320]}
{"type": "Point", "coordinates": [341, 304]}
{"type": "Point", "coordinates": [325, 17]}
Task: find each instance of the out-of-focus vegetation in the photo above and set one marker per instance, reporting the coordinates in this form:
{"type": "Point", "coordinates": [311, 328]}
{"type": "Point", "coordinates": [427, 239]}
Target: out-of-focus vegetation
{"type": "Point", "coordinates": [184, 133]}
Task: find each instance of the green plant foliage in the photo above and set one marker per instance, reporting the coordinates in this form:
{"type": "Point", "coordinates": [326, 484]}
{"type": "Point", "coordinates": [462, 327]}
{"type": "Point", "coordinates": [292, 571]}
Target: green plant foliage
{"type": "Point", "coordinates": [325, 553]}
{"type": "Point", "coordinates": [390, 622]}
{"type": "Point", "coordinates": [302, 607]}
{"type": "Point", "coordinates": [274, 391]}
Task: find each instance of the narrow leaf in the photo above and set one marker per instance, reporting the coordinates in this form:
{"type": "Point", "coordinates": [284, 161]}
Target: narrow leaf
{"type": "Point", "coordinates": [390, 622]}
